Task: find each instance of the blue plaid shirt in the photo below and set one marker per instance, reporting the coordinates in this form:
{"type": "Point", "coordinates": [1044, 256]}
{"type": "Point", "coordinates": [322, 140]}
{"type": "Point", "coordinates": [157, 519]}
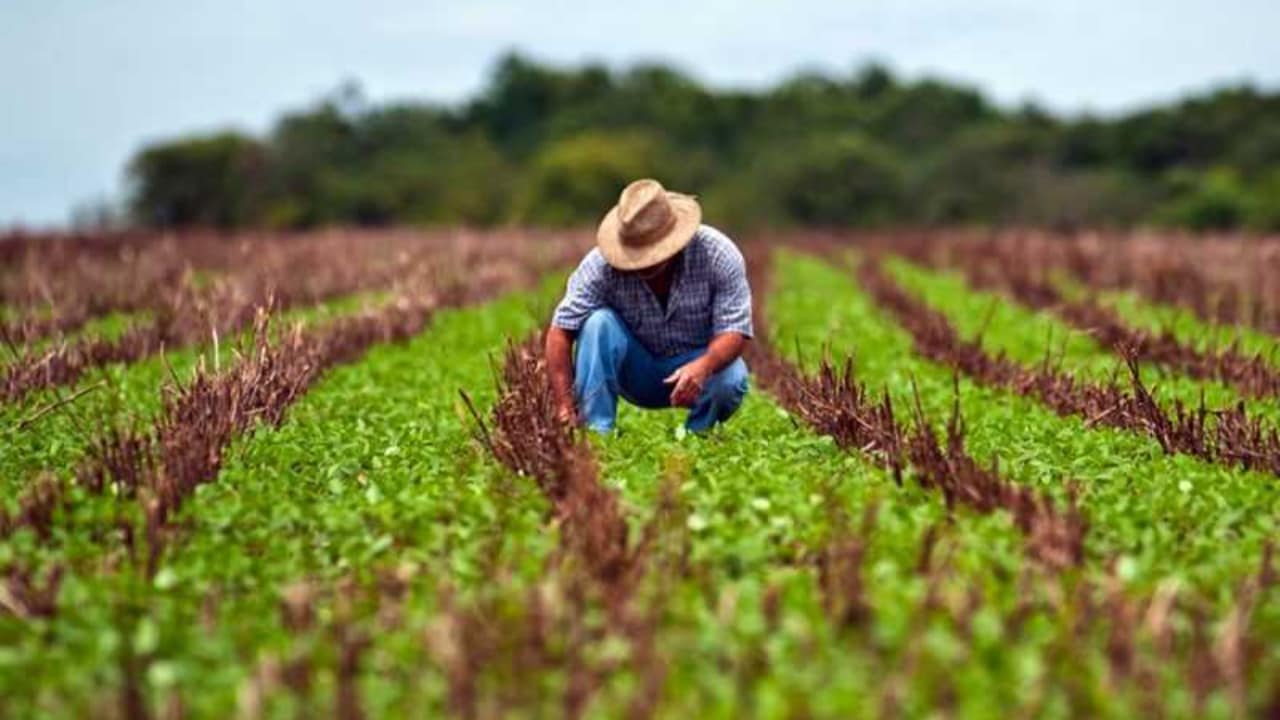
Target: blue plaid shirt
{"type": "Point", "coordinates": [709, 295]}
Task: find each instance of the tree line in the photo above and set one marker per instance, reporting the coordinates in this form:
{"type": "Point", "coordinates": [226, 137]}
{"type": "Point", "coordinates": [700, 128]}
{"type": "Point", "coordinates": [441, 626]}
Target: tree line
{"type": "Point", "coordinates": [553, 146]}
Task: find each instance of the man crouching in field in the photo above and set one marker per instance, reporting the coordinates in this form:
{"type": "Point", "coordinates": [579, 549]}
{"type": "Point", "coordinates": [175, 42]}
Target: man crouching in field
{"type": "Point", "coordinates": [660, 311]}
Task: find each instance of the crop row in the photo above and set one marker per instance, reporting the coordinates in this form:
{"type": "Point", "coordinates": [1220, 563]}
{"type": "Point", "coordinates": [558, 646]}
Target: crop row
{"type": "Point", "coordinates": [51, 430]}
{"type": "Point", "coordinates": [161, 465]}
{"type": "Point", "coordinates": [532, 442]}
{"type": "Point", "coordinates": [1034, 338]}
{"type": "Point", "coordinates": [55, 285]}
{"type": "Point", "coordinates": [1227, 279]}
{"type": "Point", "coordinates": [1167, 513]}
{"type": "Point", "coordinates": [1230, 436]}
{"type": "Point", "coordinates": [1185, 325]}
{"type": "Point", "coordinates": [283, 274]}
{"type": "Point", "coordinates": [837, 404]}
{"type": "Point", "coordinates": [1200, 286]}
{"type": "Point", "coordinates": [58, 285]}
{"type": "Point", "coordinates": [998, 266]}
{"type": "Point", "coordinates": [599, 559]}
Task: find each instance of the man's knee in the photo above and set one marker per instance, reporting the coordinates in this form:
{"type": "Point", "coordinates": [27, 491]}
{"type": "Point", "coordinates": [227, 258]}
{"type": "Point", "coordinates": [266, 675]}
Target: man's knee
{"type": "Point", "coordinates": [602, 338]}
{"type": "Point", "coordinates": [729, 386]}
{"type": "Point", "coordinates": [601, 323]}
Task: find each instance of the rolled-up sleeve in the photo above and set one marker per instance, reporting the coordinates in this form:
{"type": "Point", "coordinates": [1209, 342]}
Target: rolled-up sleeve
{"type": "Point", "coordinates": [731, 307]}
{"type": "Point", "coordinates": [584, 295]}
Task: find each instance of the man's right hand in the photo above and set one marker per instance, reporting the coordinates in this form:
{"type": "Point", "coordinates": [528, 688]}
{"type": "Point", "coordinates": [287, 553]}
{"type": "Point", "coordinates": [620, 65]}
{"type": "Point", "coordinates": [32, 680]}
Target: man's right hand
{"type": "Point", "coordinates": [559, 352]}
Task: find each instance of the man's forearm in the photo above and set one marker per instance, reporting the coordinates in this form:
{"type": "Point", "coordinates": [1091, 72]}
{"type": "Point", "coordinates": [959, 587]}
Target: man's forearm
{"type": "Point", "coordinates": [723, 350]}
{"type": "Point", "coordinates": [559, 352]}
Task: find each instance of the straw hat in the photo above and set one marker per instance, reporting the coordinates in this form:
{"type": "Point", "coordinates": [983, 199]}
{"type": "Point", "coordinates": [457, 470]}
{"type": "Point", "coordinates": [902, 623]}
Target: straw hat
{"type": "Point", "coordinates": [648, 225]}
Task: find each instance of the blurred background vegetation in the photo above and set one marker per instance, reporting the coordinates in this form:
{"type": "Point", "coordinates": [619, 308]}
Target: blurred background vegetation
{"type": "Point", "coordinates": [553, 146]}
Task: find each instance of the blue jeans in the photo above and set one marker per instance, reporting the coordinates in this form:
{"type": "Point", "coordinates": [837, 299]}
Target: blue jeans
{"type": "Point", "coordinates": [611, 362]}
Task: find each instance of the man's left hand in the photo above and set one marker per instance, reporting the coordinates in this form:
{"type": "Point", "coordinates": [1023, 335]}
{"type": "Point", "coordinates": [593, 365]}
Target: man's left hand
{"type": "Point", "coordinates": [689, 380]}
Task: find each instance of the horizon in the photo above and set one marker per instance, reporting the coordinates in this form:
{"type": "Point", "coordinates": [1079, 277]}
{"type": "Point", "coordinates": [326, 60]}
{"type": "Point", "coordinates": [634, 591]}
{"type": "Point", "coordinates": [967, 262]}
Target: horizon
{"type": "Point", "coordinates": [129, 83]}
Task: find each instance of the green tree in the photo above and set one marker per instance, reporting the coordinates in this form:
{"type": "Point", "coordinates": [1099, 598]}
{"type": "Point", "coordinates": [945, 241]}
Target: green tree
{"type": "Point", "coordinates": [545, 144]}
{"type": "Point", "coordinates": [827, 180]}
{"type": "Point", "coordinates": [978, 176]}
{"type": "Point", "coordinates": [577, 179]}
{"type": "Point", "coordinates": [927, 114]}
{"type": "Point", "coordinates": [211, 181]}
{"type": "Point", "coordinates": [523, 98]}
{"type": "Point", "coordinates": [457, 178]}
{"type": "Point", "coordinates": [1216, 200]}
{"type": "Point", "coordinates": [312, 154]}
{"type": "Point", "coordinates": [1264, 206]}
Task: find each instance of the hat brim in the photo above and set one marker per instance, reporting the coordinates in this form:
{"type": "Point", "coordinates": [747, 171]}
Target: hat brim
{"type": "Point", "coordinates": [637, 257]}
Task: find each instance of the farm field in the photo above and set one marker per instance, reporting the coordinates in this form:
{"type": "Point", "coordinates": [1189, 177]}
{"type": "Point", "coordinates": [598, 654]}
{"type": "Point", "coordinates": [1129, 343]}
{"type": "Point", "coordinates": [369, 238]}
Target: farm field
{"type": "Point", "coordinates": [978, 475]}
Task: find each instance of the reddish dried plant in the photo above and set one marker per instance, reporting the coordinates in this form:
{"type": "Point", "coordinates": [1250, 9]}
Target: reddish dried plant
{"type": "Point", "coordinates": [531, 440]}
{"type": "Point", "coordinates": [1055, 537]}
{"type": "Point", "coordinates": [26, 593]}
{"type": "Point", "coordinates": [598, 558]}
{"type": "Point", "coordinates": [184, 448]}
{"type": "Point", "coordinates": [840, 569]}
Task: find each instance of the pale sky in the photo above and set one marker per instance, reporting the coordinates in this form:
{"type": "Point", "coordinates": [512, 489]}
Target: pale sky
{"type": "Point", "coordinates": [85, 83]}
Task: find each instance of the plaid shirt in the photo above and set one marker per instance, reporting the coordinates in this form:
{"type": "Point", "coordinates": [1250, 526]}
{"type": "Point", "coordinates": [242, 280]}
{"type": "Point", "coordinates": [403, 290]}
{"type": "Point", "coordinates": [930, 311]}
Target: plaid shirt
{"type": "Point", "coordinates": [709, 295]}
